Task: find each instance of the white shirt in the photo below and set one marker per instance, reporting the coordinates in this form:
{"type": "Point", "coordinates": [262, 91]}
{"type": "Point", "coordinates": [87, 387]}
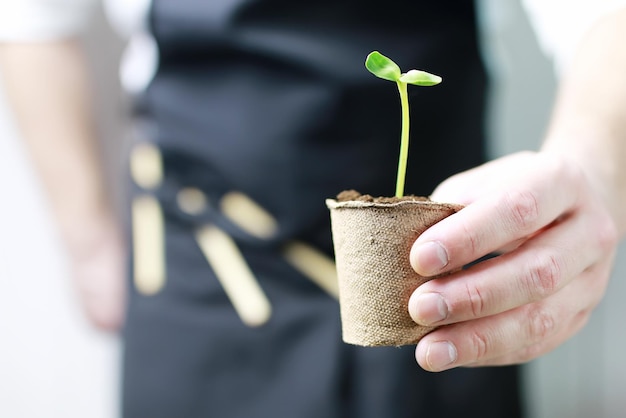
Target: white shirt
{"type": "Point", "coordinates": [559, 24]}
{"type": "Point", "coordinates": [46, 20]}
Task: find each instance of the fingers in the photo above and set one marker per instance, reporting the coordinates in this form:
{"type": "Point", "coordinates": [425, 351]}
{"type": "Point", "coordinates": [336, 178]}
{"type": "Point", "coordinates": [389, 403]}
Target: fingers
{"type": "Point", "coordinates": [527, 205]}
{"type": "Point", "coordinates": [100, 283]}
{"type": "Point", "coordinates": [517, 335]}
{"type": "Point", "coordinates": [558, 240]}
{"type": "Point", "coordinates": [482, 340]}
{"type": "Point", "coordinates": [536, 270]}
{"type": "Point", "coordinates": [533, 351]}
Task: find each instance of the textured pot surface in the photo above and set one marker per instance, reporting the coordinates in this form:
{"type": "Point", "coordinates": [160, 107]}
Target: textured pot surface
{"type": "Point", "coordinates": [372, 242]}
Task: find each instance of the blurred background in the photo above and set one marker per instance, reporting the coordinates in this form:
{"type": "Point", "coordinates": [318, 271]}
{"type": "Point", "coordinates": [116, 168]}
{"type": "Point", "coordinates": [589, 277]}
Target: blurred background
{"type": "Point", "coordinates": [53, 365]}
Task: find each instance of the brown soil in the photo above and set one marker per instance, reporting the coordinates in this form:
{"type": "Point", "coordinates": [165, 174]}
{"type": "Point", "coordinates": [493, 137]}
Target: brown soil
{"type": "Point", "coordinates": [352, 195]}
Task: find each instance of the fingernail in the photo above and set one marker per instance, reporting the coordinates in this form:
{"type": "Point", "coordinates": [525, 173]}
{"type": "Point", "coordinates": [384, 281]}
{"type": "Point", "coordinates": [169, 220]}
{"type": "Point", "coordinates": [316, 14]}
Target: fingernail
{"type": "Point", "coordinates": [440, 355]}
{"type": "Point", "coordinates": [428, 308]}
{"type": "Point", "coordinates": [429, 258]}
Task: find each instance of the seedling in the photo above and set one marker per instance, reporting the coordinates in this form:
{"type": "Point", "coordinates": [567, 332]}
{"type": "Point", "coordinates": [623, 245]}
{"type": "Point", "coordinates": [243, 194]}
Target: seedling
{"type": "Point", "coordinates": [385, 68]}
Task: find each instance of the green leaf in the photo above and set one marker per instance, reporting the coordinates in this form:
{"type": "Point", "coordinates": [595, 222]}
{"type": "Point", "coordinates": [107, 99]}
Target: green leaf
{"type": "Point", "coordinates": [420, 78]}
{"type": "Point", "coordinates": [382, 67]}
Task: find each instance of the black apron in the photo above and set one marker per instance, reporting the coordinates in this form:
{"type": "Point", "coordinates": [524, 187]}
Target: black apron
{"type": "Point", "coordinates": [270, 98]}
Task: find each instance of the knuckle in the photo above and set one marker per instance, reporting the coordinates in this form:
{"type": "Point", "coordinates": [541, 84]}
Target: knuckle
{"type": "Point", "coordinates": [480, 345]}
{"type": "Point", "coordinates": [476, 300]}
{"type": "Point", "coordinates": [582, 316]}
{"type": "Point", "coordinates": [530, 353]}
{"type": "Point", "coordinates": [523, 208]}
{"type": "Point", "coordinates": [541, 324]}
{"type": "Point", "coordinates": [544, 277]}
{"type": "Point", "coordinates": [472, 239]}
{"type": "Point", "coordinates": [582, 319]}
{"type": "Point", "coordinates": [474, 243]}
{"type": "Point", "coordinates": [595, 280]}
{"type": "Point", "coordinates": [563, 169]}
{"type": "Point", "coordinates": [607, 234]}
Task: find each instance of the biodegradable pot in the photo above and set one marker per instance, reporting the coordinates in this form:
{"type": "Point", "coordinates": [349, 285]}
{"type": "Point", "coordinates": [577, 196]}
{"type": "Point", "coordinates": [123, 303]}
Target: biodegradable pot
{"type": "Point", "coordinates": [372, 240]}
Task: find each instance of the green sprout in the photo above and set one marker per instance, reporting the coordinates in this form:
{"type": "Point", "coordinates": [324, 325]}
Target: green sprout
{"type": "Point", "coordinates": [385, 68]}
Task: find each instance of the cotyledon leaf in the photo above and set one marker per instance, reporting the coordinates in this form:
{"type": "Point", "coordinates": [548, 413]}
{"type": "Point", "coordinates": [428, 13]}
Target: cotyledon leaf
{"type": "Point", "coordinates": [420, 78]}
{"type": "Point", "coordinates": [382, 67]}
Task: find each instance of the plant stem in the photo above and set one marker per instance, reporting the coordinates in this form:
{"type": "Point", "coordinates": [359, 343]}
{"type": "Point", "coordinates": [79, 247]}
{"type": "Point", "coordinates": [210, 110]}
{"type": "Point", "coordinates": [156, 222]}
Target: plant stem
{"type": "Point", "coordinates": [404, 139]}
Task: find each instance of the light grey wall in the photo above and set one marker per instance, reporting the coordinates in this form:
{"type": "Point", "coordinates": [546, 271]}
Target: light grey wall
{"type": "Point", "coordinates": [523, 82]}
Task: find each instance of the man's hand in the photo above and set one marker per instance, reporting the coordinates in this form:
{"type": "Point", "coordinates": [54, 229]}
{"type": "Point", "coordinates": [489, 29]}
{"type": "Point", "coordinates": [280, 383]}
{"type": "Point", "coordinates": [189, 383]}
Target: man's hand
{"type": "Point", "coordinates": [48, 87]}
{"type": "Point", "coordinates": [98, 268]}
{"type": "Point", "coordinates": [556, 241]}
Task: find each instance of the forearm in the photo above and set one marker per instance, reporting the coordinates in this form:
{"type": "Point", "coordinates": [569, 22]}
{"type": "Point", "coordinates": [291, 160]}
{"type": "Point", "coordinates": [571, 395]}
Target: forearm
{"type": "Point", "coordinates": [589, 123]}
{"type": "Point", "coordinates": [48, 91]}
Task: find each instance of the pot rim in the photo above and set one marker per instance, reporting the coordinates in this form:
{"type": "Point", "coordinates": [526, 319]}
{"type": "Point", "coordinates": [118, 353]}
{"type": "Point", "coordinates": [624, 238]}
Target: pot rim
{"type": "Point", "coordinates": [357, 204]}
